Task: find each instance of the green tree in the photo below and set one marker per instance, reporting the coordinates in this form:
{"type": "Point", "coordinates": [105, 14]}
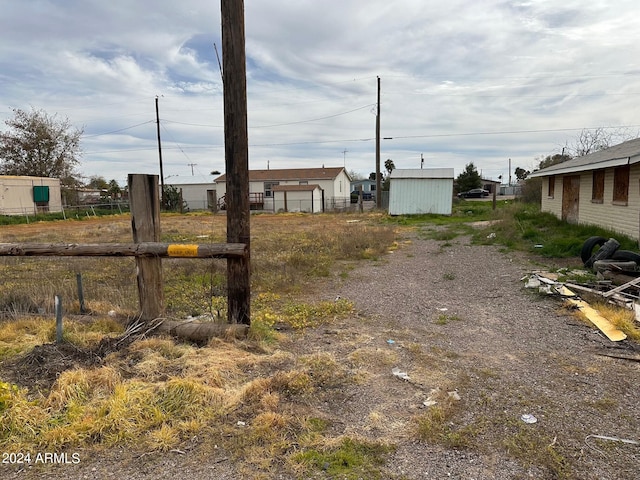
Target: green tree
{"type": "Point", "coordinates": [40, 145]}
{"type": "Point", "coordinates": [553, 160]}
{"type": "Point", "coordinates": [173, 199]}
{"type": "Point", "coordinates": [521, 173]}
{"type": "Point", "coordinates": [469, 178]}
{"type": "Point", "coordinates": [114, 189]}
{"type": "Point", "coordinates": [98, 183]}
{"type": "Point", "coordinates": [389, 166]}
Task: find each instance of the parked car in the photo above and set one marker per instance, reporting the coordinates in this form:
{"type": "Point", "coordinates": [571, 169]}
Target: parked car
{"type": "Point", "coordinates": [365, 196]}
{"type": "Point", "coordinates": [474, 193]}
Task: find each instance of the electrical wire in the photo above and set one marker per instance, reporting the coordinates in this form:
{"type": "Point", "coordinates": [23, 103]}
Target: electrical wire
{"type": "Point", "coordinates": [119, 130]}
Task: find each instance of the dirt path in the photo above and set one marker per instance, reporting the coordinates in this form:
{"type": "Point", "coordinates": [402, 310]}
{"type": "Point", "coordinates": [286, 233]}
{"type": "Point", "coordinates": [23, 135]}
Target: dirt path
{"type": "Point", "coordinates": [456, 319]}
{"type": "Point", "coordinates": [461, 321]}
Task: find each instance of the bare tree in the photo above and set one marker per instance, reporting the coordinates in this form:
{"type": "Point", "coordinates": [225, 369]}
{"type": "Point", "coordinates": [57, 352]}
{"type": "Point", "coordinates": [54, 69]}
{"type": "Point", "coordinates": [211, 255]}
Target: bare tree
{"type": "Point", "coordinates": [355, 175]}
{"type": "Point", "coordinates": [40, 145]}
{"type": "Point", "coordinates": [593, 140]}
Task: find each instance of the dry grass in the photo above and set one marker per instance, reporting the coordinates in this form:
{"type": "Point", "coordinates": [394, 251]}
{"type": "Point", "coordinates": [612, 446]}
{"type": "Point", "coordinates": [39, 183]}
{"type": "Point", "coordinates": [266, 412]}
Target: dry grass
{"type": "Point", "coordinates": [157, 394]}
{"type": "Point", "coordinates": [289, 251]}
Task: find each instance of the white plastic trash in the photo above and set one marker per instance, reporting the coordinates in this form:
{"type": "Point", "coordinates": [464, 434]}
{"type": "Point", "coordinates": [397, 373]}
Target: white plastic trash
{"type": "Point", "coordinates": [528, 418]}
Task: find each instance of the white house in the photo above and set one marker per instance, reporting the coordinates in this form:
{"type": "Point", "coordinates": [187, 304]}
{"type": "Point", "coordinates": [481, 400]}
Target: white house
{"type": "Point", "coordinates": [597, 189]}
{"type": "Point", "coordinates": [20, 195]}
{"type": "Point", "coordinates": [198, 191]}
{"type": "Point", "coordinates": [333, 184]}
{"type": "Point", "coordinates": [415, 191]}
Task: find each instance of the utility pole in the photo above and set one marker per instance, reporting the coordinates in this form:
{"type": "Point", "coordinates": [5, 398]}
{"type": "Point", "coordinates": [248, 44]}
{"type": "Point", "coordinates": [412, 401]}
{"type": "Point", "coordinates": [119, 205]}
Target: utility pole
{"type": "Point", "coordinates": [162, 203]}
{"type": "Point", "coordinates": [192, 165]}
{"type": "Point", "coordinates": [378, 187]}
{"type": "Point", "coordinates": [421, 161]}
{"type": "Point", "coordinates": [236, 154]}
{"type": "Point", "coordinates": [344, 157]}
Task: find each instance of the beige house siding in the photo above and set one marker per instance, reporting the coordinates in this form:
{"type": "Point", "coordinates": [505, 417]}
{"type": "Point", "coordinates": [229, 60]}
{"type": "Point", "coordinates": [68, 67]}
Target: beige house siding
{"type": "Point", "coordinates": [552, 204]}
{"type": "Point", "coordinates": [624, 219]}
{"type": "Point", "coordinates": [16, 195]}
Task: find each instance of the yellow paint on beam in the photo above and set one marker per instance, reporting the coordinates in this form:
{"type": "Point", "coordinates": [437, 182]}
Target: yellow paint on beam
{"type": "Point", "coordinates": [598, 320]}
{"type": "Point", "coordinates": [174, 250]}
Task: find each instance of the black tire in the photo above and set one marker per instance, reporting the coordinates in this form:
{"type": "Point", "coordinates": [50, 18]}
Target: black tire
{"type": "Point", "coordinates": [606, 251]}
{"type": "Point", "coordinates": [626, 255]}
{"type": "Point", "coordinates": [588, 246]}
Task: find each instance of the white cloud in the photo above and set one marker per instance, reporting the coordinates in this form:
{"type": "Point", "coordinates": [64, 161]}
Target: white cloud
{"type": "Point", "coordinates": [458, 79]}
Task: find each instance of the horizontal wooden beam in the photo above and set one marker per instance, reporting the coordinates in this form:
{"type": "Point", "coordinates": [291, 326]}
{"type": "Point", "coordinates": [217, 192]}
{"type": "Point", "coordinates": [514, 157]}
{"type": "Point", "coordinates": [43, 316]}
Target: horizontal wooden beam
{"type": "Point", "coordinates": [145, 249]}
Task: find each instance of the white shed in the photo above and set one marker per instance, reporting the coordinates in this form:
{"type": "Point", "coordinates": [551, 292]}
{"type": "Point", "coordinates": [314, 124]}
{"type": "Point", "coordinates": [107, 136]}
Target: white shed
{"type": "Point", "coordinates": [20, 195]}
{"type": "Point", "coordinates": [297, 198]}
{"type": "Point", "coordinates": [416, 191]}
{"type": "Point", "coordinates": [198, 191]}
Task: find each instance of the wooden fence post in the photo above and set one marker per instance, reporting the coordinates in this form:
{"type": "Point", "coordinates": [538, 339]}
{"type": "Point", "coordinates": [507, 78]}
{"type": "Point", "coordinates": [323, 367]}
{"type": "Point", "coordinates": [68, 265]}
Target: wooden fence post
{"type": "Point", "coordinates": [144, 201]}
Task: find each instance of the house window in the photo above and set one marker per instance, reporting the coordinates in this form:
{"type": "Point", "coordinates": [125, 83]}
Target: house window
{"type": "Point", "coordinates": [372, 187]}
{"type": "Point", "coordinates": [268, 188]}
{"type": "Point", "coordinates": [303, 182]}
{"type": "Point", "coordinates": [621, 185]}
{"type": "Point", "coordinates": [552, 186]}
{"type": "Point", "coordinates": [597, 189]}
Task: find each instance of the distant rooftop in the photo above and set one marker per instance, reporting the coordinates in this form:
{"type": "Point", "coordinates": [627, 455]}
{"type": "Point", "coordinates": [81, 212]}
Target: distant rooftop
{"type": "Point", "coordinates": [290, 174]}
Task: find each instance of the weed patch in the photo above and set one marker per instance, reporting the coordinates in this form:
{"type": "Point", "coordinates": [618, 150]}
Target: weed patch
{"type": "Point", "coordinates": [531, 446]}
{"type": "Point", "coordinates": [437, 424]}
{"type": "Point", "coordinates": [444, 319]}
{"type": "Point", "coordinates": [349, 459]}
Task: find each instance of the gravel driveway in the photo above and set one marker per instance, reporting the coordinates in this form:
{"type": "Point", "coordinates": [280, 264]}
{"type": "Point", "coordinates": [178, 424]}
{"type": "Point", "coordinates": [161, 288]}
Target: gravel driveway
{"type": "Point", "coordinates": [455, 318]}
{"type": "Point", "coordinates": [507, 352]}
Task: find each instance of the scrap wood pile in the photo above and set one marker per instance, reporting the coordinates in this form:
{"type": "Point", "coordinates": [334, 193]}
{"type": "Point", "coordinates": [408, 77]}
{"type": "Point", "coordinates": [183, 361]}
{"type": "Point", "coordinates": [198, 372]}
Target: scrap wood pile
{"type": "Point", "coordinates": [617, 281]}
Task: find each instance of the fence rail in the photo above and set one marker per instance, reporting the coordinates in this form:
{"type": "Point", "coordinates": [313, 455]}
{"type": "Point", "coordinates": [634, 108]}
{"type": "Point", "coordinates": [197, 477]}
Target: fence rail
{"type": "Point", "coordinates": [143, 249]}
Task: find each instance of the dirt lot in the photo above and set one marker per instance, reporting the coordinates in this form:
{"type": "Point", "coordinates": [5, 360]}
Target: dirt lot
{"type": "Point", "coordinates": [457, 321]}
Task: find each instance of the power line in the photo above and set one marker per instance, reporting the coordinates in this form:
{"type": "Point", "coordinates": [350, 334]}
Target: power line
{"type": "Point", "coordinates": [315, 119]}
{"type": "Point", "coordinates": [119, 130]}
{"type": "Point", "coordinates": [397, 137]}
{"type": "Point", "coordinates": [177, 144]}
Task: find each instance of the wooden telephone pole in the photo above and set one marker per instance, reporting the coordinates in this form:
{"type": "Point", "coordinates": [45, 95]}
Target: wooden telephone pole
{"type": "Point", "coordinates": [236, 150]}
{"type": "Point", "coordinates": [378, 187]}
{"type": "Point", "coordinates": [162, 199]}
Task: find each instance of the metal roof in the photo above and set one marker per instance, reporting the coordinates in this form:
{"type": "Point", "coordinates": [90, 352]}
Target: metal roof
{"type": "Point", "coordinates": [621, 154]}
{"type": "Point", "coordinates": [422, 173]}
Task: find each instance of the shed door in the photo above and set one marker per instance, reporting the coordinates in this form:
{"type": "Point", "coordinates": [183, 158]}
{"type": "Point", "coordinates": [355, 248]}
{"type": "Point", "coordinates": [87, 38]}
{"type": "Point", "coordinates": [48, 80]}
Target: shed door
{"type": "Point", "coordinates": [570, 198]}
{"type": "Point", "coordinates": [212, 201]}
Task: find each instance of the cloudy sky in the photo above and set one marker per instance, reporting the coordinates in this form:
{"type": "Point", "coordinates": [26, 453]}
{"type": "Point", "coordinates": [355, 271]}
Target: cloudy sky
{"type": "Point", "coordinates": [462, 81]}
